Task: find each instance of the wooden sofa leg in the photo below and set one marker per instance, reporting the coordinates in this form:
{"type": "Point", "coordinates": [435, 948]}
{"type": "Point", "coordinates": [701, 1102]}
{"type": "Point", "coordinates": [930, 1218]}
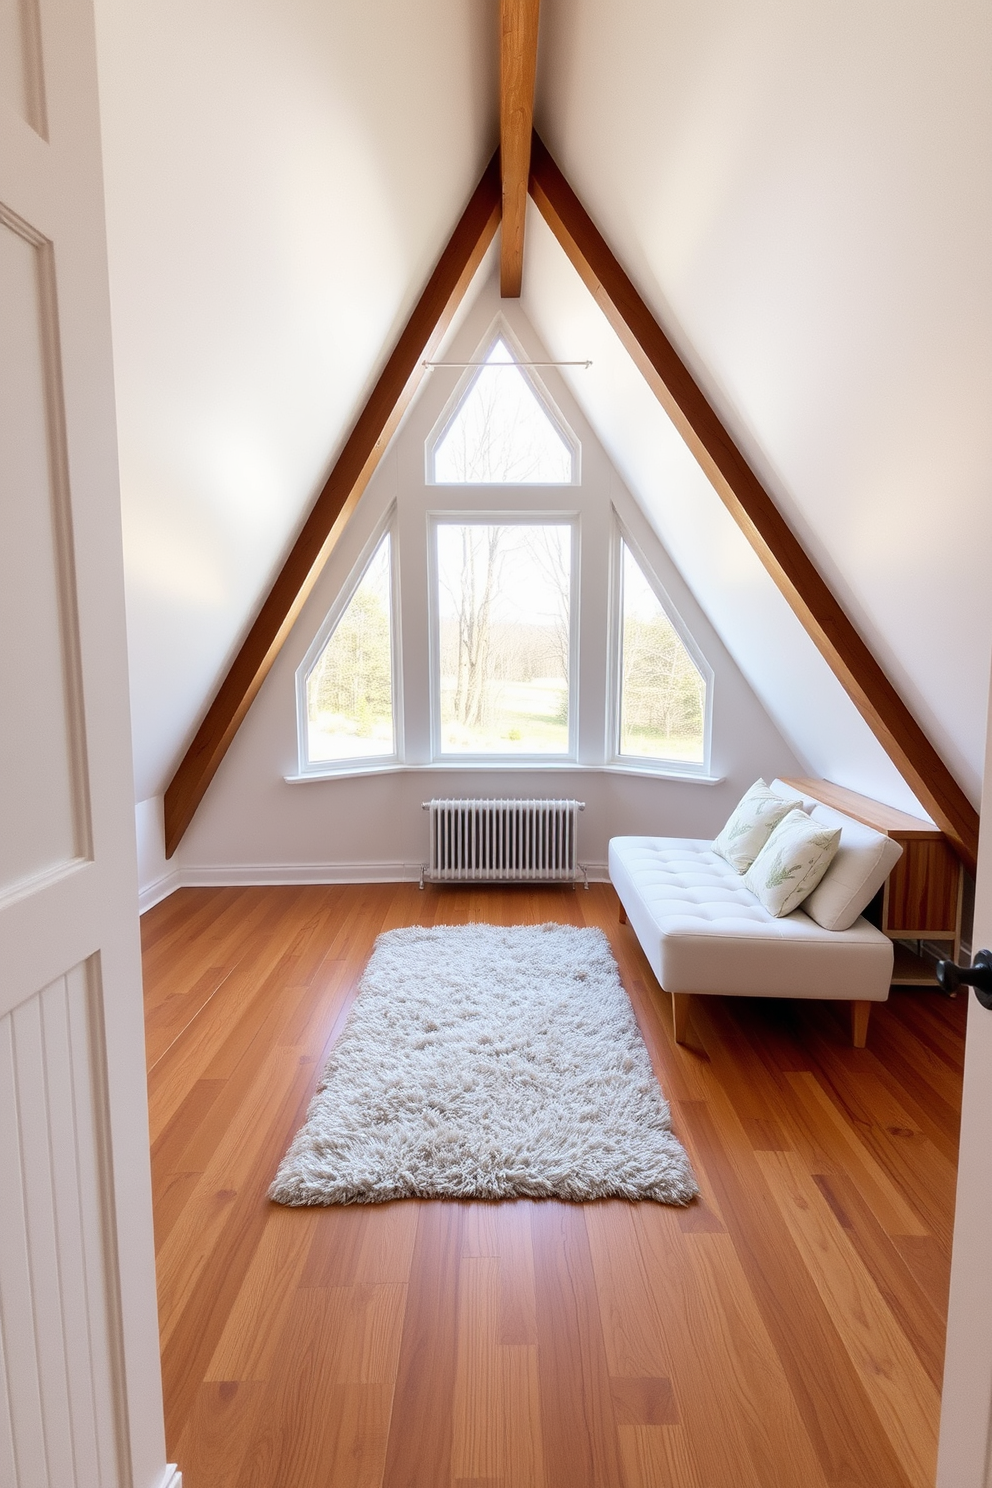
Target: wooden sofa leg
{"type": "Point", "coordinates": [623, 915]}
{"type": "Point", "coordinates": [860, 1013]}
{"type": "Point", "coordinates": [680, 1016]}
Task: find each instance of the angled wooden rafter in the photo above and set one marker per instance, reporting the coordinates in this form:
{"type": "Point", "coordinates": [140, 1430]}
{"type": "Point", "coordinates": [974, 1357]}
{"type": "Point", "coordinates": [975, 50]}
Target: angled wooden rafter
{"type": "Point", "coordinates": [352, 471]}
{"type": "Point", "coordinates": [517, 72]}
{"type": "Point", "coordinates": [848, 655]}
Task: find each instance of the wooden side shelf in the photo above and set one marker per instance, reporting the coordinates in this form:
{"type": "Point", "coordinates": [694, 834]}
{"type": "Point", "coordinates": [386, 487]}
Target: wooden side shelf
{"type": "Point", "coordinates": [912, 970]}
{"type": "Point", "coordinates": [923, 895]}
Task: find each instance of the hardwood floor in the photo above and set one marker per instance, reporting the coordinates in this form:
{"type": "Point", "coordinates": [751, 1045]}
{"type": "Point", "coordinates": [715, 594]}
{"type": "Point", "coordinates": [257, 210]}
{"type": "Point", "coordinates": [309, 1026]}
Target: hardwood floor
{"type": "Point", "coordinates": [785, 1330]}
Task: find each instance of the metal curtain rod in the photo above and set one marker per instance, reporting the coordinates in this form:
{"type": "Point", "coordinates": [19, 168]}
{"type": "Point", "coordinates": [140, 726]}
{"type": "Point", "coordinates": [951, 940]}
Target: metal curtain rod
{"type": "Point", "coordinates": [507, 364]}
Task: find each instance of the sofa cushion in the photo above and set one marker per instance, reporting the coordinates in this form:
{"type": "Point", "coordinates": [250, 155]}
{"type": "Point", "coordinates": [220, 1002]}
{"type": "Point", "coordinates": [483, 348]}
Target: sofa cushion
{"type": "Point", "coordinates": [792, 862]}
{"type": "Point", "coordinates": [751, 823]}
{"type": "Point", "coordinates": [703, 931]}
{"type": "Point", "coordinates": [863, 862]}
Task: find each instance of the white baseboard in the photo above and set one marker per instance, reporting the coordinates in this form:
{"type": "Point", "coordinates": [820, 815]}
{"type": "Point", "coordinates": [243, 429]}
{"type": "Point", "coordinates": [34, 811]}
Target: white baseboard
{"type": "Point", "coordinates": [158, 890]}
{"type": "Point", "coordinates": [241, 875]}
{"type": "Point", "coordinates": [228, 875]}
{"type": "Point", "coordinates": [171, 1477]}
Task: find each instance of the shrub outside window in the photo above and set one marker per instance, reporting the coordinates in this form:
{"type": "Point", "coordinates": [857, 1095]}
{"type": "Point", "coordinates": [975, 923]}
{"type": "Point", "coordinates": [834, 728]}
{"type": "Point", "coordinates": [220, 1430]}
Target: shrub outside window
{"type": "Point", "coordinates": [349, 686]}
{"type": "Point", "coordinates": [662, 687]}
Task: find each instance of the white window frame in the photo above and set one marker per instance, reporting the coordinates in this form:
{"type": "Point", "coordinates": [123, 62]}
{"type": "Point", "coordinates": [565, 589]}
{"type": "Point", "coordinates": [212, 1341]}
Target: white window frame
{"type": "Point", "coordinates": [633, 762]}
{"type": "Point", "coordinates": [500, 331]}
{"type": "Point", "coordinates": [359, 764]}
{"type": "Point", "coordinates": [477, 518]}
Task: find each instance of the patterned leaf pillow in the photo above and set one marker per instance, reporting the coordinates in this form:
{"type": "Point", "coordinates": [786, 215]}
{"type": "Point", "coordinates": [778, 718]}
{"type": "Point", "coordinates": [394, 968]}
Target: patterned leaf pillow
{"type": "Point", "coordinates": [756, 814]}
{"type": "Point", "coordinates": [792, 862]}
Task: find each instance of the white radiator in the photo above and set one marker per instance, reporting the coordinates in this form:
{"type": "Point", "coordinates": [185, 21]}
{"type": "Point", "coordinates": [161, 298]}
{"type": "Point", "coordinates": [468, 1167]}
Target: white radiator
{"type": "Point", "coordinates": [503, 841]}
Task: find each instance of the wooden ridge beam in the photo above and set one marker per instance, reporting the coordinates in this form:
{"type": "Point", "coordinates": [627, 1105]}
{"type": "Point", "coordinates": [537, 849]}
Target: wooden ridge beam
{"type": "Point", "coordinates": [783, 555]}
{"type": "Point", "coordinates": [352, 471]}
{"type": "Point", "coordinates": [517, 72]}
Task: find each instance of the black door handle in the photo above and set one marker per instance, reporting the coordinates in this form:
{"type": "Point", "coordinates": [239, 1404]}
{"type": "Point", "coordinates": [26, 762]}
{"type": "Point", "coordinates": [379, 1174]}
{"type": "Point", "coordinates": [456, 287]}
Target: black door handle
{"type": "Point", "coordinates": [978, 975]}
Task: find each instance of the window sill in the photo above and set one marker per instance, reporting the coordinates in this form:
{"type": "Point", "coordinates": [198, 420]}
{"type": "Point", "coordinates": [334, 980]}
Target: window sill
{"type": "Point", "coordinates": [506, 763]}
{"type": "Point", "coordinates": [304, 777]}
{"type": "Point", "coordinates": [563, 767]}
{"type": "Point", "coordinates": [662, 772]}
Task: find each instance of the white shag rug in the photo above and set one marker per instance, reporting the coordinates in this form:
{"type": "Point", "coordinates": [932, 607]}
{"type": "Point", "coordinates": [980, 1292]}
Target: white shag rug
{"type": "Point", "coordinates": [487, 1062]}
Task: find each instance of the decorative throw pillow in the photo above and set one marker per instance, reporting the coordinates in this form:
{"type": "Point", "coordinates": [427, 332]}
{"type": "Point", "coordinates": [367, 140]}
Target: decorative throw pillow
{"type": "Point", "coordinates": [864, 861]}
{"type": "Point", "coordinates": [792, 862]}
{"type": "Point", "coordinates": [751, 824]}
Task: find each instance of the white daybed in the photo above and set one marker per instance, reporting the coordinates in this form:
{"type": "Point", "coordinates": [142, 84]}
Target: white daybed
{"type": "Point", "coordinates": [704, 933]}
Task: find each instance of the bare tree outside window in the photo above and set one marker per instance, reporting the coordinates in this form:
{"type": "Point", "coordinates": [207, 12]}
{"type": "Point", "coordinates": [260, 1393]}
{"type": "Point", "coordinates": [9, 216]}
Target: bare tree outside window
{"type": "Point", "coordinates": [501, 433]}
{"type": "Point", "coordinates": [503, 606]}
{"type": "Point", "coordinates": [350, 687]}
{"type": "Point", "coordinates": [662, 692]}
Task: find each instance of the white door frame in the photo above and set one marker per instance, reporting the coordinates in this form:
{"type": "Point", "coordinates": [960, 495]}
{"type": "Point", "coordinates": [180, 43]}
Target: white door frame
{"type": "Point", "coordinates": [80, 1371]}
{"type": "Point", "coordinates": [966, 1403]}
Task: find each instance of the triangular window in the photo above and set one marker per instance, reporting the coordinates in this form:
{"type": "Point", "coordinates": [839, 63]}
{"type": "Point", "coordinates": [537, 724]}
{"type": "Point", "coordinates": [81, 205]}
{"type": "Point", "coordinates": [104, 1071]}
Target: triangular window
{"type": "Point", "coordinates": [501, 433]}
{"type": "Point", "coordinates": [349, 687]}
{"type": "Point", "coordinates": [662, 689]}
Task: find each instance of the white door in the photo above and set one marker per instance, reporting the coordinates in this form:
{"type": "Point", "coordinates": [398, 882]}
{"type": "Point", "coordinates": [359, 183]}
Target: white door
{"type": "Point", "coordinates": [963, 1459]}
{"type": "Point", "coordinates": [80, 1387]}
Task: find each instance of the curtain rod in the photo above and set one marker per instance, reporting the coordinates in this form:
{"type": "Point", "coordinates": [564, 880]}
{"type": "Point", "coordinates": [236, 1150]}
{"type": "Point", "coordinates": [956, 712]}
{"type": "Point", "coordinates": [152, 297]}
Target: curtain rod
{"type": "Point", "coordinates": [507, 364]}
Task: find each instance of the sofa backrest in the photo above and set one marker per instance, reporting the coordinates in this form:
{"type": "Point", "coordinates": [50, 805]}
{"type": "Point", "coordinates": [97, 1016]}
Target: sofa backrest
{"type": "Point", "coordinates": [863, 862]}
{"type": "Point", "coordinates": [789, 793]}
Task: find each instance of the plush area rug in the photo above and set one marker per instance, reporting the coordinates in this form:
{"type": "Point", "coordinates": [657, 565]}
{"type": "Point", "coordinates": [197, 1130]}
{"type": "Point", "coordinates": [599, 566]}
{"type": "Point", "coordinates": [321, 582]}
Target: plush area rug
{"type": "Point", "coordinates": [487, 1062]}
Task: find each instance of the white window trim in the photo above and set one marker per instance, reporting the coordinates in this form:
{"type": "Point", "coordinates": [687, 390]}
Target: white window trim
{"type": "Point", "coordinates": [500, 331]}
{"type": "Point", "coordinates": [368, 763]}
{"type": "Point", "coordinates": [639, 764]}
{"type": "Point", "coordinates": [448, 517]}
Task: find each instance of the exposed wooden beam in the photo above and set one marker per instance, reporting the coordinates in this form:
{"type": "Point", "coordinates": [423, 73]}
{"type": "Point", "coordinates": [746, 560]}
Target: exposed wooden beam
{"type": "Point", "coordinates": [351, 474]}
{"type": "Point", "coordinates": [753, 509]}
{"type": "Point", "coordinates": [517, 70]}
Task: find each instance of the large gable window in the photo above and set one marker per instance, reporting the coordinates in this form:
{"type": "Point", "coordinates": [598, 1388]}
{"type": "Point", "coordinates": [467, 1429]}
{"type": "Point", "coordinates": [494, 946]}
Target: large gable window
{"type": "Point", "coordinates": [503, 652]}
{"type": "Point", "coordinates": [502, 432]}
{"type": "Point", "coordinates": [662, 687]}
{"type": "Point", "coordinates": [347, 679]}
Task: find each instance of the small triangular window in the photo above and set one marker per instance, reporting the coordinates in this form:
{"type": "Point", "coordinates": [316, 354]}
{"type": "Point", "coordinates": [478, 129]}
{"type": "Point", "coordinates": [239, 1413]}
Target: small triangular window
{"type": "Point", "coordinates": [501, 433]}
{"type": "Point", "coordinates": [349, 699]}
{"type": "Point", "coordinates": [662, 690]}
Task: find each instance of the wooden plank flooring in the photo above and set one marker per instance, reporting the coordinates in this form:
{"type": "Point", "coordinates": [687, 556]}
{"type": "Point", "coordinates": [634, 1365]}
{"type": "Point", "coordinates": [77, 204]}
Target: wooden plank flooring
{"type": "Point", "coordinates": [785, 1330]}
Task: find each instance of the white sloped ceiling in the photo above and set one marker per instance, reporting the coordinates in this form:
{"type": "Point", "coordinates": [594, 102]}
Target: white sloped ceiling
{"type": "Point", "coordinates": [281, 176]}
{"type": "Point", "coordinates": [803, 194]}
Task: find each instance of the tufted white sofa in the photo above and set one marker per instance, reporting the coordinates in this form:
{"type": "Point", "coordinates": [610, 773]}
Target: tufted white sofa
{"type": "Point", "coordinates": [703, 932]}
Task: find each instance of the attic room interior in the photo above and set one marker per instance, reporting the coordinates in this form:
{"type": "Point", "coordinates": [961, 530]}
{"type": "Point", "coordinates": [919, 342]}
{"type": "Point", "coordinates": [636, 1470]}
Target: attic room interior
{"type": "Point", "coordinates": [496, 680]}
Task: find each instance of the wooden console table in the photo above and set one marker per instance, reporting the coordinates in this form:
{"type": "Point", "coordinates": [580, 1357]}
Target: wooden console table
{"type": "Point", "coordinates": [923, 894]}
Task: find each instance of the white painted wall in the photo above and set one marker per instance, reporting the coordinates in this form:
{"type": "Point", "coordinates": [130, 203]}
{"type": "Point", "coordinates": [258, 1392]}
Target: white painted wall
{"type": "Point", "coordinates": [803, 194]}
{"type": "Point", "coordinates": [157, 876]}
{"type": "Point", "coordinates": [253, 826]}
{"type": "Point", "coordinates": [281, 176]}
